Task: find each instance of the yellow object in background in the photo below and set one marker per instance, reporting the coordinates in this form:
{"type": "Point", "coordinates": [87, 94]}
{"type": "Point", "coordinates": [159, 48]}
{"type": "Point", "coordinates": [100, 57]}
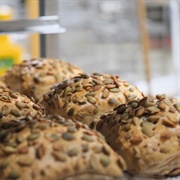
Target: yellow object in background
{"type": "Point", "coordinates": [10, 53]}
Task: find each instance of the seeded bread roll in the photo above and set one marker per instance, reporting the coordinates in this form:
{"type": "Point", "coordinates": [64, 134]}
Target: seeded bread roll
{"type": "Point", "coordinates": [36, 76]}
{"type": "Point", "coordinates": [14, 106]}
{"type": "Point", "coordinates": [147, 135]}
{"type": "Point", "coordinates": [86, 98]}
{"type": "Point", "coordinates": [54, 148]}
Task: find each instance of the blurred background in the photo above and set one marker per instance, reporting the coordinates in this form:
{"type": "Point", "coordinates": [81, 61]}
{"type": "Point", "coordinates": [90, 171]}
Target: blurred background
{"type": "Point", "coordinates": [139, 40]}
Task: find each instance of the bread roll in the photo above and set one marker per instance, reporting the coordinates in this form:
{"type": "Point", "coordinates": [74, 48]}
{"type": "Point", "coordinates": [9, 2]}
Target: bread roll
{"type": "Point", "coordinates": [14, 106]}
{"type": "Point", "coordinates": [147, 135]}
{"type": "Point", "coordinates": [86, 98]}
{"type": "Point", "coordinates": [54, 148]}
{"type": "Point", "coordinates": [36, 76]}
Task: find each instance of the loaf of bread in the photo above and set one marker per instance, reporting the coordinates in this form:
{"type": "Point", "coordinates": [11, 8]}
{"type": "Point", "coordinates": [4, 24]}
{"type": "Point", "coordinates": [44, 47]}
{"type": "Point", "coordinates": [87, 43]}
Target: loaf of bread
{"type": "Point", "coordinates": [147, 135]}
{"type": "Point", "coordinates": [36, 76]}
{"type": "Point", "coordinates": [85, 98]}
{"type": "Point", "coordinates": [14, 106]}
{"type": "Point", "coordinates": [51, 148]}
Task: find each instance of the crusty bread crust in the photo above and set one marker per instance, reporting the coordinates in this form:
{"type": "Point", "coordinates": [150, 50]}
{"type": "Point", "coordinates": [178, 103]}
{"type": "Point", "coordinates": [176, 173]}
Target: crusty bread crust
{"type": "Point", "coordinates": [36, 76]}
{"type": "Point", "coordinates": [86, 98]}
{"type": "Point", "coordinates": [147, 135]}
{"type": "Point", "coordinates": [54, 148]}
{"type": "Point", "coordinates": [14, 106]}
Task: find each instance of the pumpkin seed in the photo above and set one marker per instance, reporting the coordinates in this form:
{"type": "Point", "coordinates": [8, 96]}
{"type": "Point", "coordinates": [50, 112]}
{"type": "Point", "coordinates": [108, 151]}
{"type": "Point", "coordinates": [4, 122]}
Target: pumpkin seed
{"type": "Point", "coordinates": [72, 129]}
{"type": "Point", "coordinates": [162, 106]}
{"type": "Point", "coordinates": [140, 111]}
{"type": "Point", "coordinates": [168, 123]}
{"type": "Point", "coordinates": [114, 90]}
{"type": "Point", "coordinates": [142, 102]}
{"type": "Point", "coordinates": [70, 112]}
{"type": "Point", "coordinates": [85, 148]}
{"type": "Point", "coordinates": [105, 161]}
{"type": "Point", "coordinates": [113, 102]}
{"type": "Point", "coordinates": [136, 121]}
{"type": "Point", "coordinates": [59, 156]}
{"type": "Point", "coordinates": [19, 105]}
{"type": "Point", "coordinates": [9, 149]}
{"type": "Point", "coordinates": [68, 136]}
{"type": "Point", "coordinates": [105, 94]}
{"type": "Point", "coordinates": [110, 86]}
{"type": "Point", "coordinates": [5, 110]}
{"type": "Point", "coordinates": [153, 118]}
{"type": "Point", "coordinates": [25, 161]}
{"type": "Point", "coordinates": [40, 151]}
{"type": "Point", "coordinates": [15, 112]}
{"type": "Point", "coordinates": [127, 127]}
{"type": "Point", "coordinates": [33, 136]}
{"type": "Point", "coordinates": [87, 138]}
{"type": "Point", "coordinates": [136, 140]}
{"type": "Point", "coordinates": [131, 97]}
{"type": "Point", "coordinates": [153, 109]}
{"type": "Point", "coordinates": [14, 174]}
{"type": "Point", "coordinates": [96, 88]}
{"type": "Point", "coordinates": [131, 89]}
{"type": "Point", "coordinates": [177, 106]}
{"type": "Point", "coordinates": [108, 81]}
{"type": "Point", "coordinates": [91, 99]}
{"type": "Point", "coordinates": [4, 164]}
{"type": "Point", "coordinates": [160, 97]}
{"type": "Point", "coordinates": [13, 94]}
{"type": "Point", "coordinates": [36, 107]}
{"type": "Point", "coordinates": [96, 110]}
{"type": "Point", "coordinates": [72, 152]}
{"type": "Point", "coordinates": [90, 94]}
{"type": "Point", "coordinates": [172, 109]}
{"type": "Point", "coordinates": [147, 128]}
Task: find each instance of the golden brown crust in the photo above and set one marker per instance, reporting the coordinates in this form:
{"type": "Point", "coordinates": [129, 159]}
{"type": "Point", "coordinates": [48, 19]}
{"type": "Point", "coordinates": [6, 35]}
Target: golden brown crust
{"type": "Point", "coordinates": [36, 76]}
{"type": "Point", "coordinates": [147, 135]}
{"type": "Point", "coordinates": [86, 98]}
{"type": "Point", "coordinates": [14, 106]}
{"type": "Point", "coordinates": [54, 148]}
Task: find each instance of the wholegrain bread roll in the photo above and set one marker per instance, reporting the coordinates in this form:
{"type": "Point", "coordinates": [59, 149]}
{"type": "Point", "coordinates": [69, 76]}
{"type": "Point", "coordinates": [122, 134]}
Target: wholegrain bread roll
{"type": "Point", "coordinates": [54, 148]}
{"type": "Point", "coordinates": [147, 135]}
{"type": "Point", "coordinates": [86, 98]}
{"type": "Point", "coordinates": [36, 76]}
{"type": "Point", "coordinates": [14, 106]}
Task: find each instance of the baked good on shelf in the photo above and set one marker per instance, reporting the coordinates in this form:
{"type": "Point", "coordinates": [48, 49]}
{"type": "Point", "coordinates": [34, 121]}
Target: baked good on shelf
{"type": "Point", "coordinates": [36, 76]}
{"type": "Point", "coordinates": [54, 148]}
{"type": "Point", "coordinates": [14, 106]}
{"type": "Point", "coordinates": [147, 135]}
{"type": "Point", "coordinates": [86, 98]}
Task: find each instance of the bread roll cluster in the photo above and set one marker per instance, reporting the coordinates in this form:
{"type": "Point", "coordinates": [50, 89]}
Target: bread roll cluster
{"type": "Point", "coordinates": [52, 114]}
